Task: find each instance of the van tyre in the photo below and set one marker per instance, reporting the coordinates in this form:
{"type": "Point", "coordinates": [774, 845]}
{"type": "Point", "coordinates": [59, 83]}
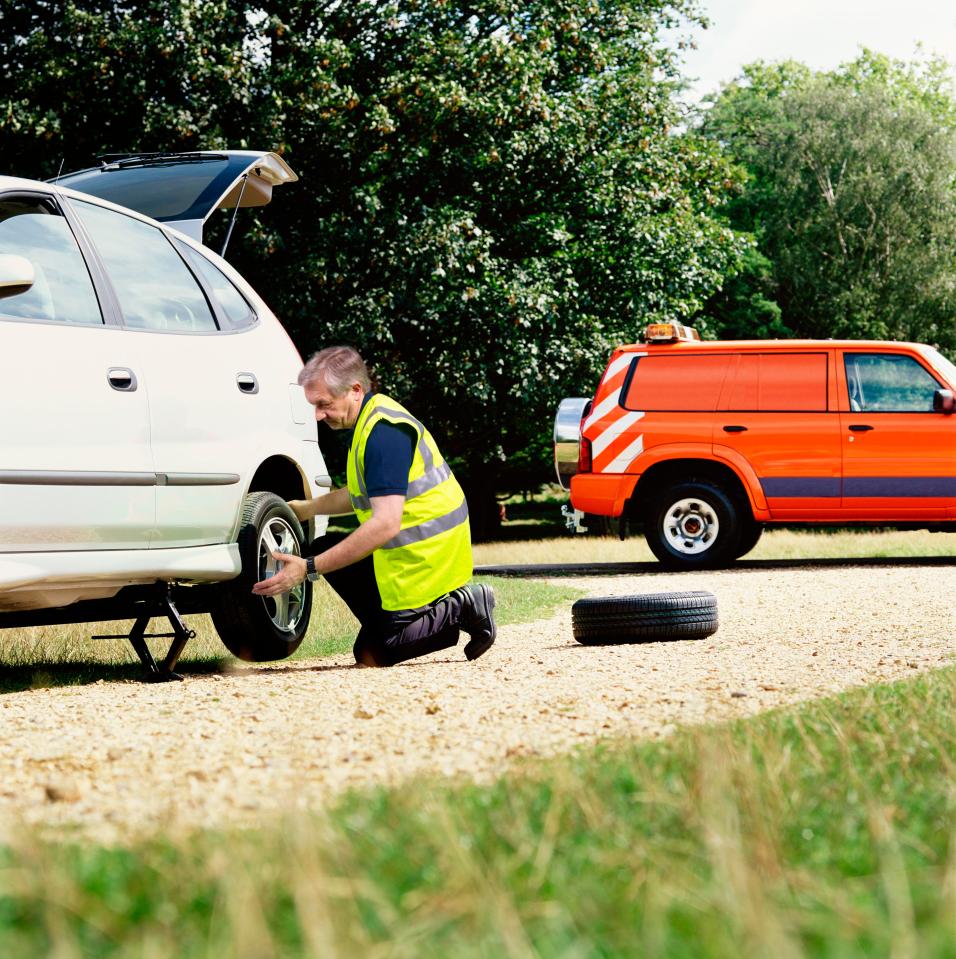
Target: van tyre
{"type": "Point", "coordinates": [261, 629]}
{"type": "Point", "coordinates": [749, 537]}
{"type": "Point", "coordinates": [693, 525]}
{"type": "Point", "coordinates": [648, 617]}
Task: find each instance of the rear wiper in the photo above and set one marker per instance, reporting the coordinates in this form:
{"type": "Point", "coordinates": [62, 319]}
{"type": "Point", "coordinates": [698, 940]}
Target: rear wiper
{"type": "Point", "coordinates": [120, 161]}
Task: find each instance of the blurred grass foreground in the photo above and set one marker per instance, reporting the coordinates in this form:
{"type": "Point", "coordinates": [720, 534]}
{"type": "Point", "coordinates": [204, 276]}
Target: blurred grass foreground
{"type": "Point", "coordinates": [824, 830]}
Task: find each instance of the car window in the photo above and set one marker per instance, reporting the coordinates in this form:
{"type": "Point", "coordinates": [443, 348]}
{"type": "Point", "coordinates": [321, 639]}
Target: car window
{"type": "Point", "coordinates": [62, 290]}
{"type": "Point", "coordinates": [888, 383]}
{"type": "Point", "coordinates": [236, 310]}
{"type": "Point", "coordinates": [156, 291]}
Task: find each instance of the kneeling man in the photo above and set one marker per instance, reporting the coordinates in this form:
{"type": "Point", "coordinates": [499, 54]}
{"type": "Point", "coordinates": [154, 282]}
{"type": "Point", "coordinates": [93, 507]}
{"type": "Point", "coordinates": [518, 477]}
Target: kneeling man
{"type": "Point", "coordinates": [403, 571]}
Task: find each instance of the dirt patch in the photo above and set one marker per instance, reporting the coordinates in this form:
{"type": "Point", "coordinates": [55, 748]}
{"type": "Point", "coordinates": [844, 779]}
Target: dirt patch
{"type": "Point", "coordinates": [116, 759]}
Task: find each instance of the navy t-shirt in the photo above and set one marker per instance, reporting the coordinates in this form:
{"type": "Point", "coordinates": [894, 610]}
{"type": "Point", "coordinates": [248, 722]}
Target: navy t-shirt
{"type": "Point", "coordinates": [389, 450]}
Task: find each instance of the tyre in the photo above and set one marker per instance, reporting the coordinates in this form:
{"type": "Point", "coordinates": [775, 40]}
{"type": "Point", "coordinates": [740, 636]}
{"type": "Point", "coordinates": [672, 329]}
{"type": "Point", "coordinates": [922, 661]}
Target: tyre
{"type": "Point", "coordinates": [260, 629]}
{"type": "Point", "coordinates": [749, 537]}
{"type": "Point", "coordinates": [693, 525]}
{"type": "Point", "coordinates": [651, 617]}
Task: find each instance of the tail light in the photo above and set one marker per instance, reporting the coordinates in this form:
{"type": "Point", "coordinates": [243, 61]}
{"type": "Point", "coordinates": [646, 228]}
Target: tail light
{"type": "Point", "coordinates": [584, 456]}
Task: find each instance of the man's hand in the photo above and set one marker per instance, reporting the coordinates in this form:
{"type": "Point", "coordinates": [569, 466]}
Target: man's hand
{"type": "Point", "coordinates": [291, 573]}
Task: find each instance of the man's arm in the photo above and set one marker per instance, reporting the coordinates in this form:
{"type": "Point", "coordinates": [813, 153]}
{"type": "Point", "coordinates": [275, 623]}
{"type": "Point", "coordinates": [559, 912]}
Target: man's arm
{"type": "Point", "coordinates": [336, 503]}
{"type": "Point", "coordinates": [376, 531]}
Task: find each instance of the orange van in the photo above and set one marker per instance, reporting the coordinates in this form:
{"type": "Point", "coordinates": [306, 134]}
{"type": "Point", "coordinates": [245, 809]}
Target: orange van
{"type": "Point", "coordinates": [703, 443]}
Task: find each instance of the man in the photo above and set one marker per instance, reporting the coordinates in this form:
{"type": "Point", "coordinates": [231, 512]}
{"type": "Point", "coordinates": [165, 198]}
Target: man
{"type": "Point", "coordinates": [403, 571]}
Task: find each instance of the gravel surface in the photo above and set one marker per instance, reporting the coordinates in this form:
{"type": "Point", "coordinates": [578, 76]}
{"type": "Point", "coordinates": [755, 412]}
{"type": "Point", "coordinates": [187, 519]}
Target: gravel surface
{"type": "Point", "coordinates": [118, 759]}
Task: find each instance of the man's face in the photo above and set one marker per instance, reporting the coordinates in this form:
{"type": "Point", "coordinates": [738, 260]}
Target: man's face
{"type": "Point", "coordinates": [341, 411]}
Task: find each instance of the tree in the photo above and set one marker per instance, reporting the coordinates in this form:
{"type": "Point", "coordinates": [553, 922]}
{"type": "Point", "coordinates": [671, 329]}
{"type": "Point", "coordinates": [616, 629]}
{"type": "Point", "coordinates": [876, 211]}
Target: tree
{"type": "Point", "coordinates": [492, 192]}
{"type": "Point", "coordinates": [850, 195]}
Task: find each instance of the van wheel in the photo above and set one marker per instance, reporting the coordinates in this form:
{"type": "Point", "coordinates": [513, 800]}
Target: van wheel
{"type": "Point", "coordinates": [260, 629]}
{"type": "Point", "coordinates": [693, 525]}
{"type": "Point", "coordinates": [647, 617]}
{"type": "Point", "coordinates": [749, 537]}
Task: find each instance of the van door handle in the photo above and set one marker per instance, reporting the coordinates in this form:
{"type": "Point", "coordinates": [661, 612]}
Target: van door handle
{"type": "Point", "coordinates": [247, 382]}
{"type": "Point", "coordinates": [122, 379]}
{"type": "Point", "coordinates": [735, 429]}
{"type": "Point", "coordinates": [860, 428]}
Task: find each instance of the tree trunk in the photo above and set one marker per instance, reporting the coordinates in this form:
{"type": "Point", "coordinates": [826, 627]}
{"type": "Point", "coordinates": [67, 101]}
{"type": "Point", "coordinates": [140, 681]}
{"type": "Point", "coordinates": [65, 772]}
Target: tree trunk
{"type": "Point", "coordinates": [484, 512]}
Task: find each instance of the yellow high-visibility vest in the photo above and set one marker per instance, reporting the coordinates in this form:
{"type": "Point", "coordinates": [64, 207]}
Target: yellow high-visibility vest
{"type": "Point", "coordinates": [431, 553]}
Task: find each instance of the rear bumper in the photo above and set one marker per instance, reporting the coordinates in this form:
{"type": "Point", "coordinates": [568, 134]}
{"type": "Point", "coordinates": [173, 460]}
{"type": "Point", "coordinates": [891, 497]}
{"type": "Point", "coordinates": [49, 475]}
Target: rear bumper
{"type": "Point", "coordinates": [602, 494]}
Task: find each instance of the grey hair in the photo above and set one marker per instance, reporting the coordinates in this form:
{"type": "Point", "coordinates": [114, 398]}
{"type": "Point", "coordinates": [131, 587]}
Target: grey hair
{"type": "Point", "coordinates": [339, 366]}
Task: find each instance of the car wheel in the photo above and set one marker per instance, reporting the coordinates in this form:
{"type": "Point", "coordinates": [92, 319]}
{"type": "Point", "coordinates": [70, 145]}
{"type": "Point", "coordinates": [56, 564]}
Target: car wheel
{"type": "Point", "coordinates": [648, 618]}
{"type": "Point", "coordinates": [260, 629]}
{"type": "Point", "coordinates": [749, 537]}
{"type": "Point", "coordinates": [693, 525]}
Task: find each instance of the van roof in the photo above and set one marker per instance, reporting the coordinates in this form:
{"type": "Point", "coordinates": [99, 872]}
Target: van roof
{"type": "Point", "coordinates": [765, 345]}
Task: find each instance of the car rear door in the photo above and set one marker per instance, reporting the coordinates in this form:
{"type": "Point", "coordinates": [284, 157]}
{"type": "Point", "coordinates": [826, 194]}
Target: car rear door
{"type": "Point", "coordinates": [778, 411]}
{"type": "Point", "coordinates": [899, 456]}
{"type": "Point", "coordinates": [75, 465]}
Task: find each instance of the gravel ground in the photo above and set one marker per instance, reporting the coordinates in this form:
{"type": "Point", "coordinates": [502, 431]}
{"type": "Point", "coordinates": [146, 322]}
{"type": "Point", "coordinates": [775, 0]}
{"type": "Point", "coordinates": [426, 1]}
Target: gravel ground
{"type": "Point", "coordinates": [117, 759]}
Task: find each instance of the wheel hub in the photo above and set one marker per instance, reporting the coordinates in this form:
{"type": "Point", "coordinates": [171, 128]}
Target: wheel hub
{"type": "Point", "coordinates": [691, 526]}
{"type": "Point", "coordinates": [285, 610]}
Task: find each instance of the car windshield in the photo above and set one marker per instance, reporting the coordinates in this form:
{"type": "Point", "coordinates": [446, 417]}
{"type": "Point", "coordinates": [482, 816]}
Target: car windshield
{"type": "Point", "coordinates": [940, 364]}
{"type": "Point", "coordinates": [173, 190]}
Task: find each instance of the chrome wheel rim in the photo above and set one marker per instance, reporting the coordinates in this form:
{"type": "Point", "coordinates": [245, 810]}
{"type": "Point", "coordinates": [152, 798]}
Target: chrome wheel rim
{"type": "Point", "coordinates": [285, 610]}
{"type": "Point", "coordinates": [690, 526]}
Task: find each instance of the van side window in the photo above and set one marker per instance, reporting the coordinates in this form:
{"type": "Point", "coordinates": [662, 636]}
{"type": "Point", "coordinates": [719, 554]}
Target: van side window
{"type": "Point", "coordinates": [677, 383]}
{"type": "Point", "coordinates": [888, 383]}
{"type": "Point", "coordinates": [780, 383]}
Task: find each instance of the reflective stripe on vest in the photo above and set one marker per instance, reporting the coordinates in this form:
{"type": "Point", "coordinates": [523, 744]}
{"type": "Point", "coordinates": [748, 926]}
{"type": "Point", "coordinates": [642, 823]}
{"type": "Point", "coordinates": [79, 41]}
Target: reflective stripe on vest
{"type": "Point", "coordinates": [430, 528]}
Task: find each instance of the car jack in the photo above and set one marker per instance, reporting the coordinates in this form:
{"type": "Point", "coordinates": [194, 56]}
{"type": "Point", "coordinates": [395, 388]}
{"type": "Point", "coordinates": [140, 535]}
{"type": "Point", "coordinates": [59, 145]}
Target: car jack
{"type": "Point", "coordinates": [163, 605]}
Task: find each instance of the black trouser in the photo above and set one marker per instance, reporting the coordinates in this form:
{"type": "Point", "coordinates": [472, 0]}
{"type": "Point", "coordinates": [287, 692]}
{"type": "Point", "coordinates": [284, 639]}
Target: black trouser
{"type": "Point", "coordinates": [389, 636]}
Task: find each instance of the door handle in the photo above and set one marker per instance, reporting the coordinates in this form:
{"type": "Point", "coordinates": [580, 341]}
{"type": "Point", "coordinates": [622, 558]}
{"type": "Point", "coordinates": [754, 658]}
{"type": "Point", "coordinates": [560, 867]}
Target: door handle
{"type": "Point", "coordinates": [860, 428]}
{"type": "Point", "coordinates": [122, 379]}
{"type": "Point", "coordinates": [735, 429]}
{"type": "Point", "coordinates": [247, 382]}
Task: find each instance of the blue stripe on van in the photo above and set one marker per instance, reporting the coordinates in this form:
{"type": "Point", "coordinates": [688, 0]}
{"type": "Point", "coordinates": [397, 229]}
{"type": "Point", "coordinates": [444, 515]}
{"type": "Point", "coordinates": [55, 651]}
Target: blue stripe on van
{"type": "Point", "coordinates": [857, 487]}
{"type": "Point", "coordinates": [821, 486]}
{"type": "Point", "coordinates": [899, 486]}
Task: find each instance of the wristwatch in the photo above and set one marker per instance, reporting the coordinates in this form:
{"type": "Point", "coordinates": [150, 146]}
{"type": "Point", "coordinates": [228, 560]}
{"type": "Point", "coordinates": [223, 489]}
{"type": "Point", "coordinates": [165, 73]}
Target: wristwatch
{"type": "Point", "coordinates": [310, 574]}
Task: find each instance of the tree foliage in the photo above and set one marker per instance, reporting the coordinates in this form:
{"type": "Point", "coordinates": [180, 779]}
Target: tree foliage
{"type": "Point", "coordinates": [851, 196]}
{"type": "Point", "coordinates": [492, 192]}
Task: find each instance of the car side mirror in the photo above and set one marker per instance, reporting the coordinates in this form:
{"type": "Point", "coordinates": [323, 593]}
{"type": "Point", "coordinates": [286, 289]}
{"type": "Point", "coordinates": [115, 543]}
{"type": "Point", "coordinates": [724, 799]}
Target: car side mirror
{"type": "Point", "coordinates": [16, 274]}
{"type": "Point", "coordinates": [943, 401]}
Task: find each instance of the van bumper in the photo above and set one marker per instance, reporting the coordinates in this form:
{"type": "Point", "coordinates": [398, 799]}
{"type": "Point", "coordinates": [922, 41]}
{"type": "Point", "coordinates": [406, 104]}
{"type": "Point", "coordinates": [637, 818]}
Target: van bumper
{"type": "Point", "coordinates": [602, 494]}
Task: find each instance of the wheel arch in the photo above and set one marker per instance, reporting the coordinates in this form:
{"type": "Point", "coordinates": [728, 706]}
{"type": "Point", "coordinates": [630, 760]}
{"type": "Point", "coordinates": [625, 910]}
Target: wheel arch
{"type": "Point", "coordinates": [279, 475]}
{"type": "Point", "coordinates": [672, 471]}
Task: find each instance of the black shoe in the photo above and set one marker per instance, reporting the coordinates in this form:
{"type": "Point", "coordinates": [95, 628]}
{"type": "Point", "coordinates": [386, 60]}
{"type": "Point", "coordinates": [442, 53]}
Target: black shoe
{"type": "Point", "coordinates": [477, 618]}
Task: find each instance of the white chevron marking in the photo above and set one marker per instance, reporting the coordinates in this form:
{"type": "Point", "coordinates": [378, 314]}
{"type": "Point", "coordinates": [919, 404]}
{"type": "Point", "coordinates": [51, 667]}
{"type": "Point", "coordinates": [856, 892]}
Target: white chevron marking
{"type": "Point", "coordinates": [621, 462]}
{"type": "Point", "coordinates": [602, 442]}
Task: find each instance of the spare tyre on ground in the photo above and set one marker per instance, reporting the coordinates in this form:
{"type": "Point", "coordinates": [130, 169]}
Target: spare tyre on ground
{"type": "Point", "coordinates": [644, 618]}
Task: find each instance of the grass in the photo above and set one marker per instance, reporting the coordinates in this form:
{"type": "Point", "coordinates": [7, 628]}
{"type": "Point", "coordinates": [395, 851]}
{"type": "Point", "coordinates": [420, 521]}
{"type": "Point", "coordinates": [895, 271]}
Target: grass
{"type": "Point", "coordinates": [826, 831]}
{"type": "Point", "coordinates": [66, 655]}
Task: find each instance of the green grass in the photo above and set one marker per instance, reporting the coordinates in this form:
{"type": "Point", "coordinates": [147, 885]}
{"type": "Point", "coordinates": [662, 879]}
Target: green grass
{"type": "Point", "coordinates": [66, 655]}
{"type": "Point", "coordinates": [826, 830]}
